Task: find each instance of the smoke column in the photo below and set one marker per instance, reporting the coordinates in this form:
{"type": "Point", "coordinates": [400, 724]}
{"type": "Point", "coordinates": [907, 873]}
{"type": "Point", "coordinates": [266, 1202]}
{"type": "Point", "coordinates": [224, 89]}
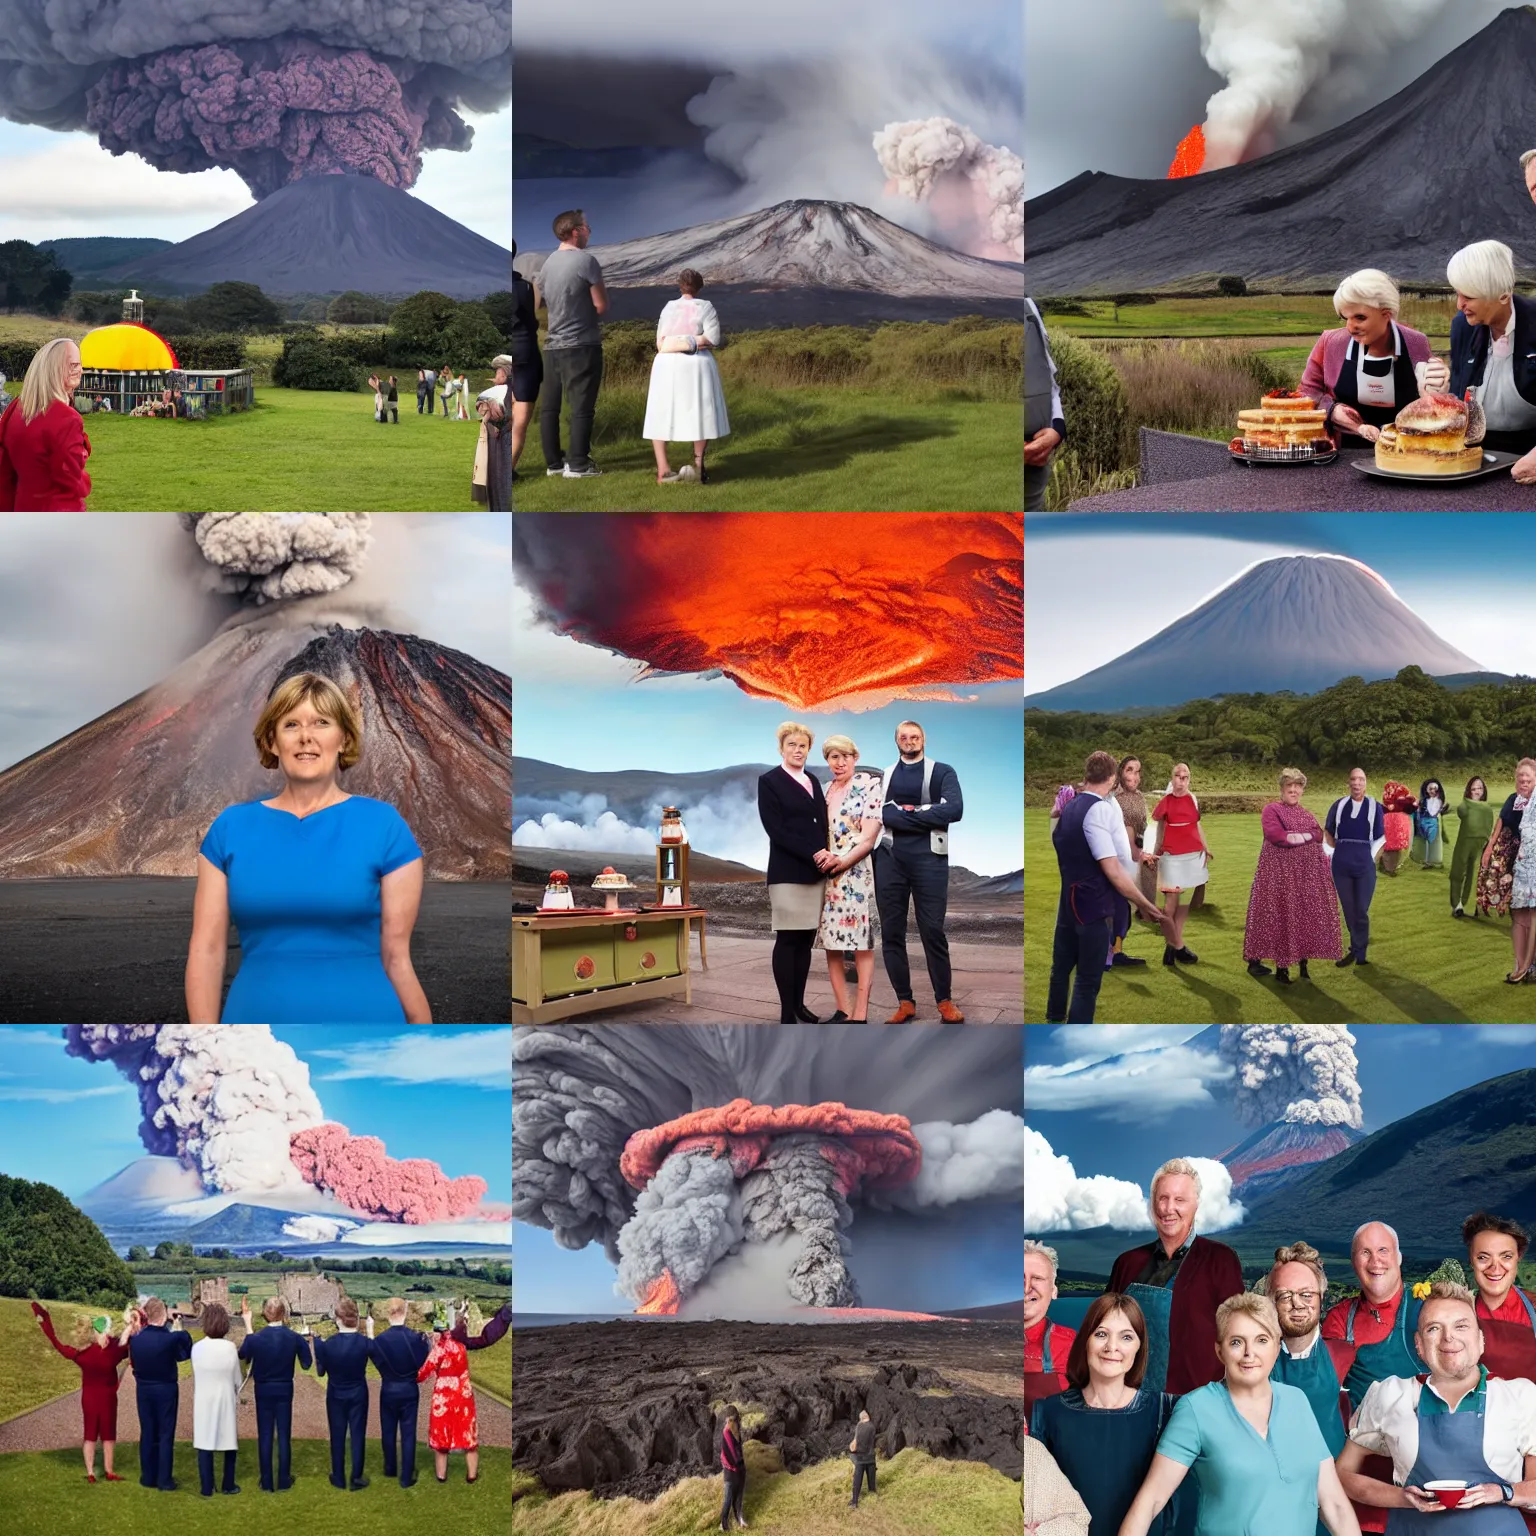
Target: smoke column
{"type": "Point", "coordinates": [358, 1172]}
{"type": "Point", "coordinates": [361, 88]}
{"type": "Point", "coordinates": [1272, 55]}
{"type": "Point", "coordinates": [266, 557]}
{"type": "Point", "coordinates": [976, 189]}
{"type": "Point", "coordinates": [1303, 1073]}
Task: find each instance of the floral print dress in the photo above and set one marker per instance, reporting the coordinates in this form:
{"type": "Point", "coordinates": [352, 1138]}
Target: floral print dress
{"type": "Point", "coordinates": [455, 1425]}
{"type": "Point", "coordinates": [848, 912]}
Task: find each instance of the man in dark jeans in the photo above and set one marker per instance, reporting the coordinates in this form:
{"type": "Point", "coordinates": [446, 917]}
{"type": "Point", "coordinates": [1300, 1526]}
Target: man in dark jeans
{"type": "Point", "coordinates": [922, 798]}
{"type": "Point", "coordinates": [392, 399]}
{"type": "Point", "coordinates": [1094, 856]}
{"type": "Point", "coordinates": [571, 289]}
{"type": "Point", "coordinates": [863, 1447]}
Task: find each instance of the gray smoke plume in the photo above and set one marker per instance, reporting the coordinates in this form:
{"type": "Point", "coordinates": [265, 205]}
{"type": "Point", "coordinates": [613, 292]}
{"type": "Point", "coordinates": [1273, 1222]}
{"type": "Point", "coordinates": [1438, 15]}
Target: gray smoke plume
{"type": "Point", "coordinates": [222, 1098]}
{"type": "Point", "coordinates": [795, 1189]}
{"type": "Point", "coordinates": [976, 189]}
{"type": "Point", "coordinates": [267, 557]}
{"type": "Point", "coordinates": [1303, 1073]}
{"type": "Point", "coordinates": [686, 1220]}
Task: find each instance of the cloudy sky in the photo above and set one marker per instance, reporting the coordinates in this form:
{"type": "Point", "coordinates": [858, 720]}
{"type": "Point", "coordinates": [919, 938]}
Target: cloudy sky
{"type": "Point", "coordinates": [96, 606]}
{"type": "Point", "coordinates": [1442, 564]}
{"type": "Point", "coordinates": [1113, 85]}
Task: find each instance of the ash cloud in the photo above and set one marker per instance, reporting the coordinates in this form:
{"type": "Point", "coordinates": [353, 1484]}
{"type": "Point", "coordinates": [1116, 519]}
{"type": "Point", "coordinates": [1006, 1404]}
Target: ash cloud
{"type": "Point", "coordinates": [976, 190]}
{"type": "Point", "coordinates": [268, 557]}
{"type": "Point", "coordinates": [1303, 1073]}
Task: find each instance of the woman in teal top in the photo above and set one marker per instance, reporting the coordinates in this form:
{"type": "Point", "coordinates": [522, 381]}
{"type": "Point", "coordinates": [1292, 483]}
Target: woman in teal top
{"type": "Point", "coordinates": [1476, 817]}
{"type": "Point", "coordinates": [1253, 1444]}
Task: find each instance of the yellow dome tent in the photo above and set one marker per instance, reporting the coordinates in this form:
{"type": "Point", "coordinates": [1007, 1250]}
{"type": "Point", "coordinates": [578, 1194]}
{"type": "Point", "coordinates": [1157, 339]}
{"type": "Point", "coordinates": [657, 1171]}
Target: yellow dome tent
{"type": "Point", "coordinates": [126, 347]}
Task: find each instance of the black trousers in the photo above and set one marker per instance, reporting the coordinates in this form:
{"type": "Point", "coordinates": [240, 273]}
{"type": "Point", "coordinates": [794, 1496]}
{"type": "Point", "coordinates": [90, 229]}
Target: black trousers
{"type": "Point", "coordinates": [346, 1410]}
{"type": "Point", "coordinates": [1083, 949]}
{"type": "Point", "coordinates": [576, 372]}
{"type": "Point", "coordinates": [792, 969]}
{"type": "Point", "coordinates": [862, 1470]}
{"type": "Point", "coordinates": [921, 876]}
{"type": "Point", "coordinates": [421, 399]}
{"type": "Point", "coordinates": [157, 1402]}
{"type": "Point", "coordinates": [205, 1471]}
{"type": "Point", "coordinates": [1036, 478]}
{"type": "Point", "coordinates": [274, 1418]}
{"type": "Point", "coordinates": [399, 1404]}
{"type": "Point", "coordinates": [735, 1491]}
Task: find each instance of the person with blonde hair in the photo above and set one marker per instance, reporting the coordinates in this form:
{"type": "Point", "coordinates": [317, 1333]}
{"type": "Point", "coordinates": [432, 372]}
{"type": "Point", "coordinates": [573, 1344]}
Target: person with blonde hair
{"type": "Point", "coordinates": [848, 908]}
{"type": "Point", "coordinates": [43, 446]}
{"type": "Point", "coordinates": [1298, 1286]}
{"type": "Point", "coordinates": [343, 1361]}
{"type": "Point", "coordinates": [273, 1351]}
{"type": "Point", "coordinates": [1522, 893]}
{"type": "Point", "coordinates": [1293, 909]}
{"type": "Point", "coordinates": [324, 885]}
{"type": "Point", "coordinates": [793, 810]}
{"type": "Point", "coordinates": [1363, 372]}
{"type": "Point", "coordinates": [398, 1354]}
{"type": "Point", "coordinates": [98, 1355]}
{"type": "Point", "coordinates": [1496, 868]}
{"type": "Point", "coordinates": [1184, 858]}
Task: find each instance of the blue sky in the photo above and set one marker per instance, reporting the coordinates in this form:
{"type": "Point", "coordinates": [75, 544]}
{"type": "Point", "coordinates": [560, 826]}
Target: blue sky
{"type": "Point", "coordinates": [61, 185]}
{"type": "Point", "coordinates": [442, 1093]}
{"type": "Point", "coordinates": [1461, 572]}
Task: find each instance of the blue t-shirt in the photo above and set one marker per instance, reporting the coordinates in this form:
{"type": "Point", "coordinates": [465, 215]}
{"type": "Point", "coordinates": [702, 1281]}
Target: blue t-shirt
{"type": "Point", "coordinates": [304, 894]}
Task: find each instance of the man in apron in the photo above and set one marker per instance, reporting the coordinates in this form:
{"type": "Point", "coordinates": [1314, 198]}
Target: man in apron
{"type": "Point", "coordinates": [1044, 425]}
{"type": "Point", "coordinates": [1458, 1424]}
{"type": "Point", "coordinates": [1046, 1344]}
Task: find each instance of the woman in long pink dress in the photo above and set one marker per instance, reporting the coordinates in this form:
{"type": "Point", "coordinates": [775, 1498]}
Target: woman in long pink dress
{"type": "Point", "coordinates": [1293, 911]}
{"type": "Point", "coordinates": [455, 1426]}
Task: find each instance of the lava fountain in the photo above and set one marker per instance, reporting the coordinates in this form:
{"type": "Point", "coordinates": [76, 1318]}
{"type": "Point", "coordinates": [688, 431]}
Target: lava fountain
{"type": "Point", "coordinates": [848, 610]}
{"type": "Point", "coordinates": [1189, 157]}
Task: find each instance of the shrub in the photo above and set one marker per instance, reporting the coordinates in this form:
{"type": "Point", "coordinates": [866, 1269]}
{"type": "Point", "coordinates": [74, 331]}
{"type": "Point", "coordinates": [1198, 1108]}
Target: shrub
{"type": "Point", "coordinates": [1231, 287]}
{"type": "Point", "coordinates": [418, 322]}
{"type": "Point", "coordinates": [469, 339]}
{"type": "Point", "coordinates": [354, 308]}
{"type": "Point", "coordinates": [1196, 387]}
{"type": "Point", "coordinates": [499, 307]}
{"type": "Point", "coordinates": [308, 363]}
{"type": "Point", "coordinates": [369, 349]}
{"type": "Point", "coordinates": [15, 358]}
{"type": "Point", "coordinates": [234, 307]}
{"type": "Point", "coordinates": [1099, 429]}
{"type": "Point", "coordinates": [210, 350]}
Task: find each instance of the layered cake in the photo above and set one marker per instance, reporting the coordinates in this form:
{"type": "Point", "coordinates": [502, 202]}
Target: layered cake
{"type": "Point", "coordinates": [1285, 419]}
{"type": "Point", "coordinates": [610, 880]}
{"type": "Point", "coordinates": [1429, 437]}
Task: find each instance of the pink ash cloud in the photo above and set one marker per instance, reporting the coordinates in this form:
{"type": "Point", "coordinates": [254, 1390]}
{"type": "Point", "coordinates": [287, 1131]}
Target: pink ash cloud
{"type": "Point", "coordinates": [358, 1171]}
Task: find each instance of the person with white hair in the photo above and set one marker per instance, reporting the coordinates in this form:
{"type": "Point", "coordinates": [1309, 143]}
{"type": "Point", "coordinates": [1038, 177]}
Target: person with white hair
{"type": "Point", "coordinates": [1493, 349]}
{"type": "Point", "coordinates": [1046, 1344]}
{"type": "Point", "coordinates": [1363, 372]}
{"type": "Point", "coordinates": [1178, 1281]}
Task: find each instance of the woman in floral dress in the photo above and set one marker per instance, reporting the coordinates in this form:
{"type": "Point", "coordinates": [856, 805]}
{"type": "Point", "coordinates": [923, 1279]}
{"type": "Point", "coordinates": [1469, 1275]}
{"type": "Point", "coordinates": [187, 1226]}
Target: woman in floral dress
{"type": "Point", "coordinates": [1517, 816]}
{"type": "Point", "coordinates": [848, 911]}
{"type": "Point", "coordinates": [1293, 911]}
{"type": "Point", "coordinates": [455, 1426]}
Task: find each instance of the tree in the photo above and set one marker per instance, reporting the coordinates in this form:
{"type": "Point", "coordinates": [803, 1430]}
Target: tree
{"type": "Point", "coordinates": [138, 1254]}
{"type": "Point", "coordinates": [274, 1256]}
{"type": "Point", "coordinates": [418, 323]}
{"type": "Point", "coordinates": [1231, 287]}
{"type": "Point", "coordinates": [354, 308]}
{"type": "Point", "coordinates": [499, 307]}
{"type": "Point", "coordinates": [308, 363]}
{"type": "Point", "coordinates": [470, 338]}
{"type": "Point", "coordinates": [234, 307]}
{"type": "Point", "coordinates": [32, 279]}
{"type": "Point", "coordinates": [166, 1250]}
{"type": "Point", "coordinates": [49, 1248]}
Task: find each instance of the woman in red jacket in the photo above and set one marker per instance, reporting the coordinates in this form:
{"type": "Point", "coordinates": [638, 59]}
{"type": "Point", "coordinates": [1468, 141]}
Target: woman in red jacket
{"type": "Point", "coordinates": [98, 1355]}
{"type": "Point", "coordinates": [43, 446]}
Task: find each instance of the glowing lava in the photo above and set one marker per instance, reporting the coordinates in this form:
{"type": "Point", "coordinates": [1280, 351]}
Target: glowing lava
{"type": "Point", "coordinates": [1189, 157]}
{"type": "Point", "coordinates": [662, 1299]}
{"type": "Point", "coordinates": [874, 1150]}
{"type": "Point", "coordinates": [844, 609]}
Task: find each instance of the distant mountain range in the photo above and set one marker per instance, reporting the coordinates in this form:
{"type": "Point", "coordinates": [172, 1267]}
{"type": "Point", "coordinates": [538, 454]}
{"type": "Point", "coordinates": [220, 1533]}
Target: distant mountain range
{"type": "Point", "coordinates": [90, 259]}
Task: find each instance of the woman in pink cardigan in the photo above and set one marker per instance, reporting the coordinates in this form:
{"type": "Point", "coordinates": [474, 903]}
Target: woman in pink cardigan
{"type": "Point", "coordinates": [1364, 373]}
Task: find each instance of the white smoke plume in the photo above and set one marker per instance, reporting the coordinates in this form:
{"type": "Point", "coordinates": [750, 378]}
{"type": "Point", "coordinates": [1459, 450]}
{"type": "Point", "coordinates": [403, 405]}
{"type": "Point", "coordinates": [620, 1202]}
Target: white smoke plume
{"type": "Point", "coordinates": [976, 189]}
{"type": "Point", "coordinates": [981, 1160]}
{"type": "Point", "coordinates": [319, 1229]}
{"type": "Point", "coordinates": [686, 1220]}
{"type": "Point", "coordinates": [1304, 1073]}
{"type": "Point", "coordinates": [1272, 55]}
{"type": "Point", "coordinates": [795, 1189]}
{"type": "Point", "coordinates": [1057, 1200]}
{"type": "Point", "coordinates": [268, 557]}
{"type": "Point", "coordinates": [725, 825]}
{"type": "Point", "coordinates": [223, 1098]}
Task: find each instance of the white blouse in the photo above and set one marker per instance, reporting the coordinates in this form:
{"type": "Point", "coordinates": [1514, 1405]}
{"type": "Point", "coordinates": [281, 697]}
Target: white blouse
{"type": "Point", "coordinates": [1387, 1422]}
{"type": "Point", "coordinates": [689, 317]}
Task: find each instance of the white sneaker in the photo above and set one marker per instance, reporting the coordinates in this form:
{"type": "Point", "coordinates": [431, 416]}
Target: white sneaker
{"type": "Point", "coordinates": [687, 472]}
{"type": "Point", "coordinates": [559, 471]}
{"type": "Point", "coordinates": [582, 474]}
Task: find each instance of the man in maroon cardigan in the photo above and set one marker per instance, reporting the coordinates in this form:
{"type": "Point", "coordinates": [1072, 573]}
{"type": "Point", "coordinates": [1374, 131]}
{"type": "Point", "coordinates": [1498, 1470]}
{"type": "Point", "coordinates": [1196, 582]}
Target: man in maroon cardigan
{"type": "Point", "coordinates": [1178, 1280]}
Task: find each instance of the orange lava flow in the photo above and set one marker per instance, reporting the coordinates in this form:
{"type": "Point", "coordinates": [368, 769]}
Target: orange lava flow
{"type": "Point", "coordinates": [662, 1299]}
{"type": "Point", "coordinates": [867, 1148]}
{"type": "Point", "coordinates": [814, 611]}
{"type": "Point", "coordinates": [1189, 157]}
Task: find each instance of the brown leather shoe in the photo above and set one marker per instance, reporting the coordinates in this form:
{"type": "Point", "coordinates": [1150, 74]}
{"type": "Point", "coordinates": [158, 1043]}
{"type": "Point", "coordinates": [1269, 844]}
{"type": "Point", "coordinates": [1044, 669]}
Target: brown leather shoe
{"type": "Point", "coordinates": [904, 1011]}
{"type": "Point", "coordinates": [949, 1013]}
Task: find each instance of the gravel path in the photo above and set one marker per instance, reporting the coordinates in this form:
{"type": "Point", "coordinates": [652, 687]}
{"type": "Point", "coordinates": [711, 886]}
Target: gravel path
{"type": "Point", "coordinates": [57, 1425]}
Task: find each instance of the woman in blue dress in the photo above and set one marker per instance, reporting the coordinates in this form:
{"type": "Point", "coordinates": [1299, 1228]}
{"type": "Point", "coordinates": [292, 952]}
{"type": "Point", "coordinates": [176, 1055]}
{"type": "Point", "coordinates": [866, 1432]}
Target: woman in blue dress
{"type": "Point", "coordinates": [1253, 1444]}
{"type": "Point", "coordinates": [324, 886]}
{"type": "Point", "coordinates": [1102, 1431]}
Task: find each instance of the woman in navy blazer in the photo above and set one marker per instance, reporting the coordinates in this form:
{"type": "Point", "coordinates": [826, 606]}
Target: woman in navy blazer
{"type": "Point", "coordinates": [793, 811]}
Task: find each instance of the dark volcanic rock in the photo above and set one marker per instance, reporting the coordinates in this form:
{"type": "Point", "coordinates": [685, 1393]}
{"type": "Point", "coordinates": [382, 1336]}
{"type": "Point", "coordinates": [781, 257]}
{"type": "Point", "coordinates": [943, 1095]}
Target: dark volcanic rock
{"type": "Point", "coordinates": [633, 1407]}
{"type": "Point", "coordinates": [1401, 187]}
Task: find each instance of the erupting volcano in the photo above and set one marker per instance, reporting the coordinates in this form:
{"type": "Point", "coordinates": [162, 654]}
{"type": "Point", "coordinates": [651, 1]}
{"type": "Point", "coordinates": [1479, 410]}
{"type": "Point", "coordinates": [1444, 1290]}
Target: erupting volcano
{"type": "Point", "coordinates": [936, 600]}
{"type": "Point", "coordinates": [1189, 157]}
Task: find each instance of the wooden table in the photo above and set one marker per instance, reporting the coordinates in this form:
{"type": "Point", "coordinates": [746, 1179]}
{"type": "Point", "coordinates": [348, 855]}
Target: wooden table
{"type": "Point", "coordinates": [566, 963]}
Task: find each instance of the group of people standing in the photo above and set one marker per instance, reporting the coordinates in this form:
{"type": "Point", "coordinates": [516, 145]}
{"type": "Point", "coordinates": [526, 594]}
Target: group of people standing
{"type": "Point", "coordinates": [1293, 1419]}
{"type": "Point", "coordinates": [151, 1340]}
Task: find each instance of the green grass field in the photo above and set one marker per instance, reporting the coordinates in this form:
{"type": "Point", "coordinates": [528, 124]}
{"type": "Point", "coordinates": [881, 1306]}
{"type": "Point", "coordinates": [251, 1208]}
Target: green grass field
{"type": "Point", "coordinates": [32, 1372]}
{"type": "Point", "coordinates": [1426, 967]}
{"type": "Point", "coordinates": [46, 1494]}
{"type": "Point", "coordinates": [920, 1495]}
{"type": "Point", "coordinates": [803, 449]}
{"type": "Point", "coordinates": [1272, 315]}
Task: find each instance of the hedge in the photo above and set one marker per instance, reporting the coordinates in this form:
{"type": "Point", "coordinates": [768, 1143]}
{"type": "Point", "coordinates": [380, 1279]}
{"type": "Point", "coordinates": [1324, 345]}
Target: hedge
{"type": "Point", "coordinates": [199, 351]}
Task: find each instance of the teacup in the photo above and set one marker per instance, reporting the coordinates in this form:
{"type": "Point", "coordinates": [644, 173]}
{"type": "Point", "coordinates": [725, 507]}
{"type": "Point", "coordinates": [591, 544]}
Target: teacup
{"type": "Point", "coordinates": [1448, 1490]}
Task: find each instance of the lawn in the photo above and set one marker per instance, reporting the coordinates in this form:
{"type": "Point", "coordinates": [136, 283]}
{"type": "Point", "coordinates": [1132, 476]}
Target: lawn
{"type": "Point", "coordinates": [1271, 314]}
{"type": "Point", "coordinates": [812, 448]}
{"type": "Point", "coordinates": [298, 451]}
{"type": "Point", "coordinates": [45, 1494]}
{"type": "Point", "coordinates": [1425, 966]}
{"type": "Point", "coordinates": [32, 1372]}
{"type": "Point", "coordinates": [920, 1495]}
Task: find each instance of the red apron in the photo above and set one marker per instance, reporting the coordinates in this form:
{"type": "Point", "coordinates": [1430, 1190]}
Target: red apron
{"type": "Point", "coordinates": [1048, 1380]}
{"type": "Point", "coordinates": [1509, 1350]}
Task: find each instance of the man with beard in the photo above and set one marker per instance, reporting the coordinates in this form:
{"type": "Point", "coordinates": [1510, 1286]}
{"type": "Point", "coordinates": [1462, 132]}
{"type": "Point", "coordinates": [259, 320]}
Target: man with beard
{"type": "Point", "coordinates": [1046, 1344]}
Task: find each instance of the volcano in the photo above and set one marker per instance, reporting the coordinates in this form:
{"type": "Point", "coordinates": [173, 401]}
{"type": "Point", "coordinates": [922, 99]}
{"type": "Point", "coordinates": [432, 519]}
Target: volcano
{"type": "Point", "coordinates": [1279, 1154]}
{"type": "Point", "coordinates": [133, 791]}
{"type": "Point", "coordinates": [1401, 187]}
{"type": "Point", "coordinates": [327, 234]}
{"type": "Point", "coordinates": [1296, 623]}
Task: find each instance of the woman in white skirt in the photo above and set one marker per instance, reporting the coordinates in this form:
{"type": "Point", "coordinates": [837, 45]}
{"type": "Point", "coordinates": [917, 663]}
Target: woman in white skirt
{"type": "Point", "coordinates": [215, 1399]}
{"type": "Point", "coordinates": [1184, 858]}
{"type": "Point", "coordinates": [686, 403]}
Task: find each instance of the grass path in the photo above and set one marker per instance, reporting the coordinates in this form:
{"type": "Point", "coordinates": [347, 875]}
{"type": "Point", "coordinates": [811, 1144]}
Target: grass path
{"type": "Point", "coordinates": [1425, 966]}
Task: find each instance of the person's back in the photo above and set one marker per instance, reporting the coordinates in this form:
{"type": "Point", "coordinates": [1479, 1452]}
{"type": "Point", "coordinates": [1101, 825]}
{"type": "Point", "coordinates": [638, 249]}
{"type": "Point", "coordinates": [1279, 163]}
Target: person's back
{"type": "Point", "coordinates": [565, 281]}
{"type": "Point", "coordinates": [343, 1360]}
{"type": "Point", "coordinates": [864, 1443]}
{"type": "Point", "coordinates": [273, 1352]}
{"type": "Point", "coordinates": [398, 1353]}
{"type": "Point", "coordinates": [525, 320]}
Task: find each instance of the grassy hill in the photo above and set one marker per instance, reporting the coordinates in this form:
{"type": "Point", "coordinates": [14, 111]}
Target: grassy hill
{"type": "Point", "coordinates": [32, 1372]}
{"type": "Point", "coordinates": [50, 1247]}
{"type": "Point", "coordinates": [920, 1495]}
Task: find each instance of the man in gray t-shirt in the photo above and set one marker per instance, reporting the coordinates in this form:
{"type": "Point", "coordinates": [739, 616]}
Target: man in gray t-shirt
{"type": "Point", "coordinates": [571, 289]}
{"type": "Point", "coordinates": [863, 1447]}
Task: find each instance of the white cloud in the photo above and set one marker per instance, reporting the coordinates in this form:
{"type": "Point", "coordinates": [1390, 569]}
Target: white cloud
{"type": "Point", "coordinates": [62, 1095]}
{"type": "Point", "coordinates": [1505, 1034]}
{"type": "Point", "coordinates": [1090, 1042]}
{"type": "Point", "coordinates": [388, 1234]}
{"type": "Point", "coordinates": [480, 1058]}
{"type": "Point", "coordinates": [608, 833]}
{"type": "Point", "coordinates": [1139, 1085]}
{"type": "Point", "coordinates": [318, 1229]}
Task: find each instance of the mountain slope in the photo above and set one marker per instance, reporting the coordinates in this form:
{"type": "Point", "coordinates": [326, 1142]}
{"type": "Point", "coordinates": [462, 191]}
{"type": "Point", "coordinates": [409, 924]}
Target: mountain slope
{"type": "Point", "coordinates": [1400, 187]}
{"type": "Point", "coordinates": [1297, 622]}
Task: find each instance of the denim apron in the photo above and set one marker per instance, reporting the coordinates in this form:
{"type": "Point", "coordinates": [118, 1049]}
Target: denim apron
{"type": "Point", "coordinates": [1451, 1445]}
